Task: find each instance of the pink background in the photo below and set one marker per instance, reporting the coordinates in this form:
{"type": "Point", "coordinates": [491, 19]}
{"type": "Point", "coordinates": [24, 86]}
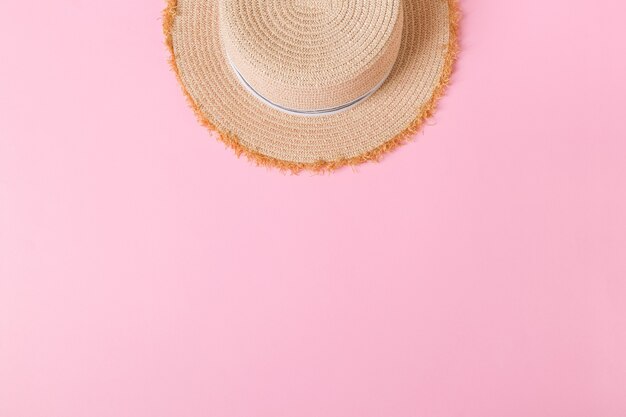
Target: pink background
{"type": "Point", "coordinates": [478, 271]}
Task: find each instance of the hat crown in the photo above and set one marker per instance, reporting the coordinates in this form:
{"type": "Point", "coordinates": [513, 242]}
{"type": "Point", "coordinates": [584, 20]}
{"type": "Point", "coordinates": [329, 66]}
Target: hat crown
{"type": "Point", "coordinates": [311, 54]}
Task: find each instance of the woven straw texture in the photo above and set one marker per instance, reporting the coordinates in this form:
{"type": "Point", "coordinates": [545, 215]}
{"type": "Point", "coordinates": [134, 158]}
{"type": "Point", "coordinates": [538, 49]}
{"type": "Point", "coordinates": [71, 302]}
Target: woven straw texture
{"type": "Point", "coordinates": [419, 75]}
{"type": "Point", "coordinates": [312, 54]}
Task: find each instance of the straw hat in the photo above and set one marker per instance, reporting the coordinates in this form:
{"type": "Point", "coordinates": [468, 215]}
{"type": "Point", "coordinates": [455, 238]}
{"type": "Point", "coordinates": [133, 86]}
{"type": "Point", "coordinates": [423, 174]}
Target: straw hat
{"type": "Point", "coordinates": [312, 84]}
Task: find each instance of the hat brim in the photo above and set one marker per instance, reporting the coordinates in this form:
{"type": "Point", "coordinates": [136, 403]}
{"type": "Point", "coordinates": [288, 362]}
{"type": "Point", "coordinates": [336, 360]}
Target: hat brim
{"type": "Point", "coordinates": [270, 137]}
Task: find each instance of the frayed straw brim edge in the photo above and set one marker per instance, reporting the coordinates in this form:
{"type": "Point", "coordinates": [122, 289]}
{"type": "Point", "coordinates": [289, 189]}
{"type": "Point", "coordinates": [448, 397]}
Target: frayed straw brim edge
{"type": "Point", "coordinates": [169, 14]}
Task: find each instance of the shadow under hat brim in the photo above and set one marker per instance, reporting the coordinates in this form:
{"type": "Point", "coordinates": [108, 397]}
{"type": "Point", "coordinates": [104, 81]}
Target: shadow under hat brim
{"type": "Point", "coordinates": [270, 137]}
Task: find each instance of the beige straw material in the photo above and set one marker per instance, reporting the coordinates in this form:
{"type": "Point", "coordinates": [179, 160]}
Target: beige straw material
{"type": "Point", "coordinates": [271, 137]}
{"type": "Point", "coordinates": [312, 54]}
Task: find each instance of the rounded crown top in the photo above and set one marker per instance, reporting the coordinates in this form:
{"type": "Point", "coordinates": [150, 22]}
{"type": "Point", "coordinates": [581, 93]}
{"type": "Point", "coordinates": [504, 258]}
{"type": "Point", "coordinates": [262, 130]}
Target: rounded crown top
{"type": "Point", "coordinates": [311, 54]}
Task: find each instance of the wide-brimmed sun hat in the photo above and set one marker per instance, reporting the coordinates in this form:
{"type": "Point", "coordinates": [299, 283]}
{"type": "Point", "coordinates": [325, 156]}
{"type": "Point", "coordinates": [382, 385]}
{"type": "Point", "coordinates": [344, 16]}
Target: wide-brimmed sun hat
{"type": "Point", "coordinates": [312, 84]}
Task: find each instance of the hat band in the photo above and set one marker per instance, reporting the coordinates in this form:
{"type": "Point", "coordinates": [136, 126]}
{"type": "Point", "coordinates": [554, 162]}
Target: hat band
{"type": "Point", "coordinates": [296, 112]}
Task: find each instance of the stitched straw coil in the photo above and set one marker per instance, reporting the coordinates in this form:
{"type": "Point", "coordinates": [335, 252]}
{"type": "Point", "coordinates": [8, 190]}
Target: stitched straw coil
{"type": "Point", "coordinates": [311, 54]}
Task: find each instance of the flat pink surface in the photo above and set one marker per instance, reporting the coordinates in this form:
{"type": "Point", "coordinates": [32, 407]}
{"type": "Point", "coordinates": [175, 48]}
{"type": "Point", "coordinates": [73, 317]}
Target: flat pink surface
{"type": "Point", "coordinates": [478, 271]}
